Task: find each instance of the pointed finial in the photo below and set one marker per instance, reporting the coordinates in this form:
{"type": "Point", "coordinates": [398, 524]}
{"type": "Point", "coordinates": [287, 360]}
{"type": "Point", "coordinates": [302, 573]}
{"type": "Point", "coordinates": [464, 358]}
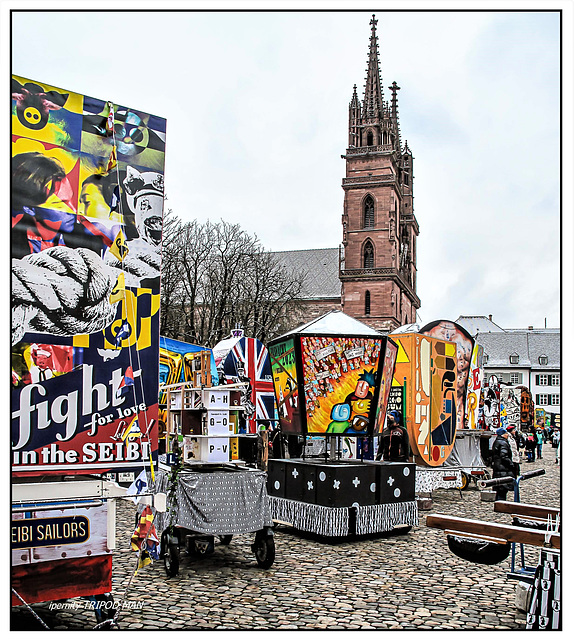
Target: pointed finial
{"type": "Point", "coordinates": [394, 88]}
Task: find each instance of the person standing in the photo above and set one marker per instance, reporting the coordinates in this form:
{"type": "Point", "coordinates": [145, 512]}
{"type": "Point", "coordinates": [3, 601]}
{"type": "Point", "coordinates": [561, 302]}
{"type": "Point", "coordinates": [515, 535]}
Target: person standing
{"type": "Point", "coordinates": [530, 447]}
{"type": "Point", "coordinates": [513, 442]}
{"type": "Point", "coordinates": [394, 441]}
{"type": "Point", "coordinates": [539, 443]}
{"type": "Point", "coordinates": [502, 465]}
{"type": "Point", "coordinates": [556, 444]}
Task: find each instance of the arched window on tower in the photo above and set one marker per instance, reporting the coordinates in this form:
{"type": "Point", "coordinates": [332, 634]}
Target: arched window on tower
{"type": "Point", "coordinates": [367, 303]}
{"type": "Point", "coordinates": [368, 256]}
{"type": "Point", "coordinates": [369, 213]}
{"type": "Point", "coordinates": [369, 138]}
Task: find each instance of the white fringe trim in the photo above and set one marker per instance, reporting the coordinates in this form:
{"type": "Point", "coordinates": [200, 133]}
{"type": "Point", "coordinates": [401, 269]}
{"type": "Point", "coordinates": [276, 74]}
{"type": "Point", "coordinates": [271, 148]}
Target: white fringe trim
{"type": "Point", "coordinates": [384, 517]}
{"type": "Point", "coordinates": [334, 521]}
{"type": "Point", "coordinates": [314, 518]}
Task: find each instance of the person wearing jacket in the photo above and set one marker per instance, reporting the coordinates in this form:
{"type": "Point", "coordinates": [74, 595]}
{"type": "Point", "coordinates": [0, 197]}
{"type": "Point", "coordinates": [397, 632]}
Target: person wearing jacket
{"type": "Point", "coordinates": [394, 441]}
{"type": "Point", "coordinates": [530, 447]}
{"type": "Point", "coordinates": [502, 465]}
{"type": "Point", "coordinates": [539, 443]}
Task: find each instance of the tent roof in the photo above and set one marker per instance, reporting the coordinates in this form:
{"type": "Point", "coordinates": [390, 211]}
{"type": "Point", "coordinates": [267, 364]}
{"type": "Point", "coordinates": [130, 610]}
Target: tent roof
{"type": "Point", "coordinates": [334, 323]}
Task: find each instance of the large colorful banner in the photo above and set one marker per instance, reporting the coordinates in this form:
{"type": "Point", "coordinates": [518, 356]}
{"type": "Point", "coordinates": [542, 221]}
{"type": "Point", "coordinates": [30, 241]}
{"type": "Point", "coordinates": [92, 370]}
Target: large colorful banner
{"type": "Point", "coordinates": [87, 212]}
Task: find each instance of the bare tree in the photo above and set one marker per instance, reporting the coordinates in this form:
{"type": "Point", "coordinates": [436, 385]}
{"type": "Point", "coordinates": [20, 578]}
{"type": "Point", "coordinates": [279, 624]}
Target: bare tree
{"type": "Point", "coordinates": [215, 276]}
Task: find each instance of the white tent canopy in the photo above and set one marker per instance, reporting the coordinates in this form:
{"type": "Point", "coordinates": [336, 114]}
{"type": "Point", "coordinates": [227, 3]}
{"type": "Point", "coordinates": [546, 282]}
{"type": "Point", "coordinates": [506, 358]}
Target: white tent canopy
{"type": "Point", "coordinates": [335, 323]}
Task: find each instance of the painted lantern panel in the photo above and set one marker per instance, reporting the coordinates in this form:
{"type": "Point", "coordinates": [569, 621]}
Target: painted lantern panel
{"type": "Point", "coordinates": [340, 383]}
{"type": "Point", "coordinates": [87, 212]}
{"type": "Point", "coordinates": [452, 332]}
{"type": "Point", "coordinates": [491, 404]}
{"type": "Point", "coordinates": [284, 370]}
{"type": "Point", "coordinates": [385, 386]}
{"type": "Point", "coordinates": [426, 370]}
{"type": "Point", "coordinates": [510, 401]}
{"type": "Point", "coordinates": [473, 388]}
{"type": "Point", "coordinates": [539, 417]}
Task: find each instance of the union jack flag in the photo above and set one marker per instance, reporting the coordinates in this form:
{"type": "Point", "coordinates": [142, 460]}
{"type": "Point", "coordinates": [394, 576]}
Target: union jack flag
{"type": "Point", "coordinates": [249, 358]}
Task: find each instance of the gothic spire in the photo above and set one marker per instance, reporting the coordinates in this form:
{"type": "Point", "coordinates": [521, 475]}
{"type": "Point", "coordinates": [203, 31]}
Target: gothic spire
{"type": "Point", "coordinates": [395, 111]}
{"type": "Point", "coordinates": [373, 102]}
{"type": "Point", "coordinates": [354, 119]}
{"type": "Point", "coordinates": [355, 99]}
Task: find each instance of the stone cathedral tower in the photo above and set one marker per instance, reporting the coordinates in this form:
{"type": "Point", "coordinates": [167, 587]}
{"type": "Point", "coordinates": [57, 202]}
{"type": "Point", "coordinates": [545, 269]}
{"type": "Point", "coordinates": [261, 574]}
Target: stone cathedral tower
{"type": "Point", "coordinates": [377, 262]}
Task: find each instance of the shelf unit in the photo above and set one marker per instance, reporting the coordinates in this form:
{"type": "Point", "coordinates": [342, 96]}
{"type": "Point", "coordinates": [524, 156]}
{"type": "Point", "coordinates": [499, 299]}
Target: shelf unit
{"type": "Point", "coordinates": [208, 419]}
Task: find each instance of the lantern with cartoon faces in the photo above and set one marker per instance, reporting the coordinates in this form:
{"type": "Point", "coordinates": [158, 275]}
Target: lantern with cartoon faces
{"type": "Point", "coordinates": [341, 357]}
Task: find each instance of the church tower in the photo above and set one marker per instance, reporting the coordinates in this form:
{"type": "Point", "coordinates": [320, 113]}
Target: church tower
{"type": "Point", "coordinates": [377, 262]}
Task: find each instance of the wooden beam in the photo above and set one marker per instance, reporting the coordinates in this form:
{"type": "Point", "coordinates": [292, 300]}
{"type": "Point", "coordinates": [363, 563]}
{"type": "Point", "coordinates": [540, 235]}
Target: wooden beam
{"type": "Point", "coordinates": [479, 528]}
{"type": "Point", "coordinates": [521, 509]}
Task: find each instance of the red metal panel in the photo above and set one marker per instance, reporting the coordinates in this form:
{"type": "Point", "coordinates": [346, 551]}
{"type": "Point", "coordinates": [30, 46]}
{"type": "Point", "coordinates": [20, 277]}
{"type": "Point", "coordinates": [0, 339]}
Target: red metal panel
{"type": "Point", "coordinates": [62, 579]}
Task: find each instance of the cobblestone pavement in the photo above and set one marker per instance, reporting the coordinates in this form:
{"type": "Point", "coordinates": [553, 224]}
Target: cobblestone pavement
{"type": "Point", "coordinates": [408, 581]}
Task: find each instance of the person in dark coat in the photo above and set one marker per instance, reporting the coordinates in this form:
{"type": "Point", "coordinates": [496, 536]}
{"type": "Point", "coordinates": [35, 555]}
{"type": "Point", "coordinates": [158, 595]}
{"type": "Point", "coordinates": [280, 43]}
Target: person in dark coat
{"type": "Point", "coordinates": [394, 441]}
{"type": "Point", "coordinates": [502, 465]}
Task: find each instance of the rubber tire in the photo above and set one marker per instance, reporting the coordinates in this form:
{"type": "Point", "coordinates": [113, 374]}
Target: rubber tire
{"type": "Point", "coordinates": [465, 482]}
{"type": "Point", "coordinates": [226, 539]}
{"type": "Point", "coordinates": [264, 549]}
{"type": "Point", "coordinates": [171, 560]}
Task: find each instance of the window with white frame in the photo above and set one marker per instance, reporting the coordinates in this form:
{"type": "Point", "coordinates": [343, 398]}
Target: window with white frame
{"type": "Point", "coordinates": [514, 358]}
{"type": "Point", "coordinates": [555, 380]}
{"type": "Point", "coordinates": [542, 399]}
{"type": "Point", "coordinates": [515, 378]}
{"type": "Point", "coordinates": [542, 380]}
{"type": "Point", "coordinates": [555, 399]}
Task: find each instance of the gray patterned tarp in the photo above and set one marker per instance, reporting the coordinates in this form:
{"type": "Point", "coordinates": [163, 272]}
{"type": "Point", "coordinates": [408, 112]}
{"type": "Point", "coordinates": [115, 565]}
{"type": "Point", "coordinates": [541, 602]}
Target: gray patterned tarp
{"type": "Point", "coordinates": [218, 502]}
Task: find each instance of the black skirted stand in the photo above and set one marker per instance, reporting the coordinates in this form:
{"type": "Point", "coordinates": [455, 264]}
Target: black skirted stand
{"type": "Point", "coordinates": [342, 498]}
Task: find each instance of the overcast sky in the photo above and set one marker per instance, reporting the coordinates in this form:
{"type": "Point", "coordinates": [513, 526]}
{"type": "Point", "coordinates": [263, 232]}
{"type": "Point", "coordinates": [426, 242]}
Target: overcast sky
{"type": "Point", "coordinates": [257, 119]}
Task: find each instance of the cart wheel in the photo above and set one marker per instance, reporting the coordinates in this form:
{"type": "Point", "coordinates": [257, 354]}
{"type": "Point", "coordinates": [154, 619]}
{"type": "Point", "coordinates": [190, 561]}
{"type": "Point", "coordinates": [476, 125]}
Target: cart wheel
{"type": "Point", "coordinates": [225, 539]}
{"type": "Point", "coordinates": [171, 560]}
{"type": "Point", "coordinates": [264, 549]}
{"type": "Point", "coordinates": [465, 482]}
